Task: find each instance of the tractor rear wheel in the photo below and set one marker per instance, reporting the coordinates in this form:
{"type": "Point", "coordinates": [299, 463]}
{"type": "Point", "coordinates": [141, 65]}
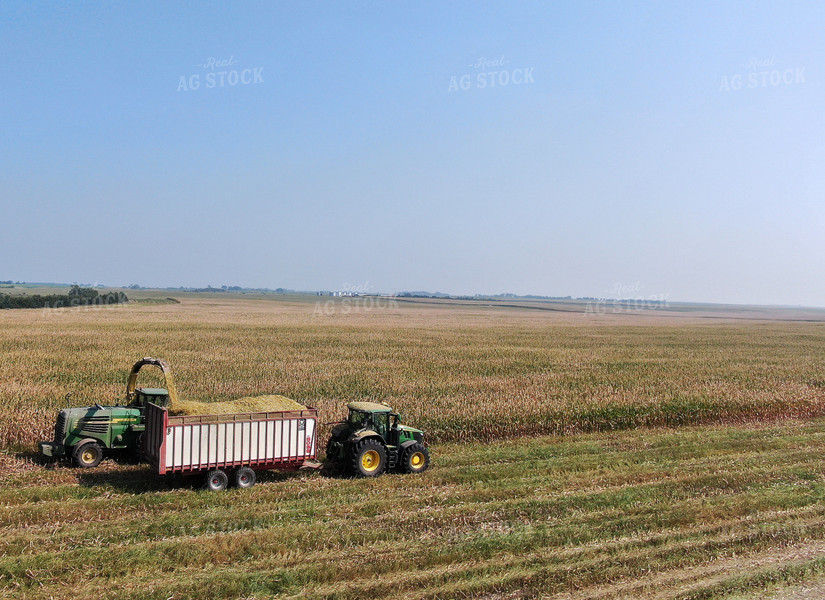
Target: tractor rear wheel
{"type": "Point", "coordinates": [216, 480]}
{"type": "Point", "coordinates": [369, 458]}
{"type": "Point", "coordinates": [416, 459]}
{"type": "Point", "coordinates": [330, 450]}
{"type": "Point", "coordinates": [88, 455]}
{"type": "Point", "coordinates": [245, 477]}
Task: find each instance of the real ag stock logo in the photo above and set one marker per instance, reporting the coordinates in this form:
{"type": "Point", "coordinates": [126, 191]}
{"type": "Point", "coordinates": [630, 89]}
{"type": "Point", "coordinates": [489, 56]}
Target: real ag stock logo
{"type": "Point", "coordinates": [220, 74]}
{"type": "Point", "coordinates": [490, 73]}
{"type": "Point", "coordinates": [762, 73]}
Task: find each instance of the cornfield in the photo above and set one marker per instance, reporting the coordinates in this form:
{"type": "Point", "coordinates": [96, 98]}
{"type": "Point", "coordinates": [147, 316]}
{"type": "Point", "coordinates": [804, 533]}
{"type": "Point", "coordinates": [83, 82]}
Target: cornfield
{"type": "Point", "coordinates": [459, 372]}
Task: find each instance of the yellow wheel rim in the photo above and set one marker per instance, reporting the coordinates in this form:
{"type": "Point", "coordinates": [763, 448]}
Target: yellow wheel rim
{"type": "Point", "coordinates": [370, 460]}
{"type": "Point", "coordinates": [417, 459]}
{"type": "Point", "coordinates": [88, 456]}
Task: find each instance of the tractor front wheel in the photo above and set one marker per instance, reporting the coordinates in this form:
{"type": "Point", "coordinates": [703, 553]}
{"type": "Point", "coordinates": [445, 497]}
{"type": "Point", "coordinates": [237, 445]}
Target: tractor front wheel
{"type": "Point", "coordinates": [369, 458]}
{"type": "Point", "coordinates": [416, 459]}
{"type": "Point", "coordinates": [88, 455]}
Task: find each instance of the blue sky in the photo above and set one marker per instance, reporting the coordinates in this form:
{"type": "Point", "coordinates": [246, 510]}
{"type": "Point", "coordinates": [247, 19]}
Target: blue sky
{"type": "Point", "coordinates": [627, 158]}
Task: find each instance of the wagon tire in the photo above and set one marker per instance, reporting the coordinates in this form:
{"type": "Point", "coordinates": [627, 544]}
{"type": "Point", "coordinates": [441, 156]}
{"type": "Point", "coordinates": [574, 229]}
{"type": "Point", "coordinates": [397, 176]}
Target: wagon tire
{"type": "Point", "coordinates": [369, 458]}
{"type": "Point", "coordinates": [216, 480]}
{"type": "Point", "coordinates": [245, 478]}
{"type": "Point", "coordinates": [416, 459]}
{"type": "Point", "coordinates": [87, 455]}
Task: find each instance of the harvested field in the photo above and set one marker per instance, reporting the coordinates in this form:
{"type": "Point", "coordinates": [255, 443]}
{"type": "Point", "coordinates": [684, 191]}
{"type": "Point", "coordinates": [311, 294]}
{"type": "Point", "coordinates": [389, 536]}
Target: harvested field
{"type": "Point", "coordinates": [684, 513]}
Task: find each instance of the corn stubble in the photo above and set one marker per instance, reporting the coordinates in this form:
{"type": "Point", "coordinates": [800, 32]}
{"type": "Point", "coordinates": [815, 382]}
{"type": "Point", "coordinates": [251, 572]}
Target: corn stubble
{"type": "Point", "coordinates": [648, 514]}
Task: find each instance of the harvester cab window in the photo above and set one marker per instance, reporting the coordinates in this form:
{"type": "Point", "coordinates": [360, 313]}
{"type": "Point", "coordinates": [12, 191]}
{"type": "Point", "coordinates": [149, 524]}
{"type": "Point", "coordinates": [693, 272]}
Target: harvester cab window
{"type": "Point", "coordinates": [144, 396]}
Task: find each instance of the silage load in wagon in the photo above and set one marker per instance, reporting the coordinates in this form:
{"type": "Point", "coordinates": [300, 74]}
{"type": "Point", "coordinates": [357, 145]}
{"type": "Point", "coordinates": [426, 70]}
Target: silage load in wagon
{"type": "Point", "coordinates": [248, 404]}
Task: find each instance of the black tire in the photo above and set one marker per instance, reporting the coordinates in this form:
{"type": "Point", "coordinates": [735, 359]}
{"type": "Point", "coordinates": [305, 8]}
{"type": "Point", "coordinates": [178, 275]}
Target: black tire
{"type": "Point", "coordinates": [416, 459]}
{"type": "Point", "coordinates": [216, 480]}
{"type": "Point", "coordinates": [329, 451]}
{"type": "Point", "coordinates": [138, 449]}
{"type": "Point", "coordinates": [245, 478]}
{"type": "Point", "coordinates": [369, 458]}
{"type": "Point", "coordinates": [87, 455]}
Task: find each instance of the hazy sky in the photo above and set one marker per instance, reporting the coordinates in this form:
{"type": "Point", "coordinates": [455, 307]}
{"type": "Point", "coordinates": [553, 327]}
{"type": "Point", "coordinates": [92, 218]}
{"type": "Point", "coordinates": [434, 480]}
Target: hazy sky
{"type": "Point", "coordinates": [654, 149]}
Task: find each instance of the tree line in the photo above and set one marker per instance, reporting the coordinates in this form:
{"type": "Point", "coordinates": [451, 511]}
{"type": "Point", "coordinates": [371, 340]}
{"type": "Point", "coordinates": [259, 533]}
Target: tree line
{"type": "Point", "coordinates": [77, 296]}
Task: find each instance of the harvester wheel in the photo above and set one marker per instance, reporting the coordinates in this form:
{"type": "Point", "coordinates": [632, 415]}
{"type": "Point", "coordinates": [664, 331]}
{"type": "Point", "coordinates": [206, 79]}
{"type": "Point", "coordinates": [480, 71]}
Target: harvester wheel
{"type": "Point", "coordinates": [138, 449]}
{"type": "Point", "coordinates": [245, 477]}
{"type": "Point", "coordinates": [216, 480]}
{"type": "Point", "coordinates": [369, 458]}
{"type": "Point", "coordinates": [416, 459]}
{"type": "Point", "coordinates": [88, 455]}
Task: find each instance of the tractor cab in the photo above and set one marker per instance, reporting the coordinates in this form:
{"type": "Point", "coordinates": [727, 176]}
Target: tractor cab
{"type": "Point", "coordinates": [373, 440]}
{"type": "Point", "coordinates": [369, 415]}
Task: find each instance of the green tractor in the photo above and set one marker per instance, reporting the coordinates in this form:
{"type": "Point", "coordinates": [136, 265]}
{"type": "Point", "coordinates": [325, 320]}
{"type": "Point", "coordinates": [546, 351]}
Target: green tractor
{"type": "Point", "coordinates": [85, 433]}
{"type": "Point", "coordinates": [368, 443]}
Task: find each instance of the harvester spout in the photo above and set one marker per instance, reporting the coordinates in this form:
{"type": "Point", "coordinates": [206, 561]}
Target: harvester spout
{"type": "Point", "coordinates": [167, 373]}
